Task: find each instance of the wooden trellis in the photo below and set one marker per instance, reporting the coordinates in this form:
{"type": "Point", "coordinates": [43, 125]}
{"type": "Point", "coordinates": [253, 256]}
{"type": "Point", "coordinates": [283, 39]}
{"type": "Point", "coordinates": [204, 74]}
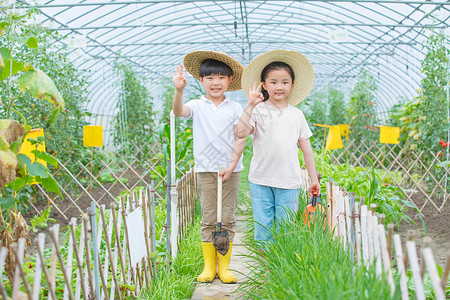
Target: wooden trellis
{"type": "Point", "coordinates": [417, 170]}
{"type": "Point", "coordinates": [97, 263]}
{"type": "Point", "coordinates": [141, 164]}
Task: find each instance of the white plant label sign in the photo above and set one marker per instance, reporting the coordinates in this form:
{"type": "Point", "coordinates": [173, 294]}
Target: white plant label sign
{"type": "Point", "coordinates": [136, 236]}
{"type": "Point", "coordinates": [338, 36]}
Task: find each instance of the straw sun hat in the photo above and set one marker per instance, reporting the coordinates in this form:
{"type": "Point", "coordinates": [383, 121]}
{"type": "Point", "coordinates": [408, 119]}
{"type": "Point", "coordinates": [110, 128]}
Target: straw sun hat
{"type": "Point", "coordinates": [303, 72]}
{"type": "Point", "coordinates": [193, 60]}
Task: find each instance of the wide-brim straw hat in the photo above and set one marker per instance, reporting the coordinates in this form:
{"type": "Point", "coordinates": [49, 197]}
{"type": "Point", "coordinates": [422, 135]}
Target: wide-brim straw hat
{"type": "Point", "coordinates": [193, 60]}
{"type": "Point", "coordinates": [303, 72]}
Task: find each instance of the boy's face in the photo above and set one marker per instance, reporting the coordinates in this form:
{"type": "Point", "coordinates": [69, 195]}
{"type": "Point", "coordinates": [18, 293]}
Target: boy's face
{"type": "Point", "coordinates": [215, 85]}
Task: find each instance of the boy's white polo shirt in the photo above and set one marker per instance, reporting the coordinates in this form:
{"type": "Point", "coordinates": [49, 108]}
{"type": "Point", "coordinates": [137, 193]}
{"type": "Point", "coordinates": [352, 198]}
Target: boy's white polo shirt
{"type": "Point", "coordinates": [213, 132]}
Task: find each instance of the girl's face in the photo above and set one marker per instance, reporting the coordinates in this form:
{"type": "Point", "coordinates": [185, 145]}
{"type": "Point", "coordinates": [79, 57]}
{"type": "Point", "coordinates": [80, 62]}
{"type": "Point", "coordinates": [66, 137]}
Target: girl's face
{"type": "Point", "coordinates": [278, 84]}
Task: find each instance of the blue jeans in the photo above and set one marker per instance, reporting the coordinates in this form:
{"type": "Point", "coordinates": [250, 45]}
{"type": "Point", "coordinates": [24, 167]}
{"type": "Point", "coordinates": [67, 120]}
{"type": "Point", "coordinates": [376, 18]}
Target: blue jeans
{"type": "Point", "coordinates": [270, 205]}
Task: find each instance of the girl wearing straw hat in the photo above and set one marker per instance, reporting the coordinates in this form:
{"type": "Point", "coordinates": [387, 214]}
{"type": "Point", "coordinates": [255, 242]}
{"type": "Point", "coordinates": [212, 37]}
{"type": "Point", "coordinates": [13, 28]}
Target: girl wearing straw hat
{"type": "Point", "coordinates": [215, 145]}
{"type": "Point", "coordinates": [274, 83]}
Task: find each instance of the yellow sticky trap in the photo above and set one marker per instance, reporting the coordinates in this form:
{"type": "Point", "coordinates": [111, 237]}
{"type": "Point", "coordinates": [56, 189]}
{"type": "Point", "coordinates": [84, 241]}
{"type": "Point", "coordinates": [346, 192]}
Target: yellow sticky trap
{"type": "Point", "coordinates": [389, 135]}
{"type": "Point", "coordinates": [93, 136]}
{"type": "Point", "coordinates": [345, 130]}
{"type": "Point", "coordinates": [27, 147]}
{"type": "Point", "coordinates": [334, 140]}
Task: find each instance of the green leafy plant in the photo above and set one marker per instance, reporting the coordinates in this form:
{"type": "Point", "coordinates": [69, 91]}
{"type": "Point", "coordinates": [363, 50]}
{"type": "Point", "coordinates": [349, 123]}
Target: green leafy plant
{"type": "Point", "coordinates": [42, 220]}
{"type": "Point", "coordinates": [134, 120]}
{"type": "Point", "coordinates": [362, 109]}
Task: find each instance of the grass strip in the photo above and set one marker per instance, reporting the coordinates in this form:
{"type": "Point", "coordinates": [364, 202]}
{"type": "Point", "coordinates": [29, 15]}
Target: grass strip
{"type": "Point", "coordinates": [303, 263]}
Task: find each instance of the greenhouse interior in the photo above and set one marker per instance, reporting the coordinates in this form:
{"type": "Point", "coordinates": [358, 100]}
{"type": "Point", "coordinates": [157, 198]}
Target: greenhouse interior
{"type": "Point", "coordinates": [224, 149]}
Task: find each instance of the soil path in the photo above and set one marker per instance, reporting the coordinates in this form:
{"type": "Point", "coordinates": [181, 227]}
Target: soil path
{"type": "Point", "coordinates": [218, 290]}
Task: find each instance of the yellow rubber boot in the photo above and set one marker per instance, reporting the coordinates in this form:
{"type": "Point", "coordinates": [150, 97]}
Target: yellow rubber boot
{"type": "Point", "coordinates": [209, 270]}
{"type": "Point", "coordinates": [224, 272]}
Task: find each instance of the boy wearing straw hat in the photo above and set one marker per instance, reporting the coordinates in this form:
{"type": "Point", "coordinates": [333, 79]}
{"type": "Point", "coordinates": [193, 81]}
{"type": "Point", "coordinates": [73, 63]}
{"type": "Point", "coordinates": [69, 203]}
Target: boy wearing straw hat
{"type": "Point", "coordinates": [215, 146]}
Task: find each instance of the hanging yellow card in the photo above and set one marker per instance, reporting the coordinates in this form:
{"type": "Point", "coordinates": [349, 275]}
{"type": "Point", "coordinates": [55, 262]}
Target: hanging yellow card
{"type": "Point", "coordinates": [93, 136]}
{"type": "Point", "coordinates": [334, 140]}
{"type": "Point", "coordinates": [389, 135]}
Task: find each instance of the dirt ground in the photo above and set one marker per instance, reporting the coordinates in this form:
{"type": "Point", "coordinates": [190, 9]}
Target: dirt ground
{"type": "Point", "coordinates": [437, 227]}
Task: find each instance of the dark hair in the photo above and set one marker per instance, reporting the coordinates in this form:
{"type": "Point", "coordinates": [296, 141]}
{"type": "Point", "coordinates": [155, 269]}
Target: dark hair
{"type": "Point", "coordinates": [214, 67]}
{"type": "Point", "coordinates": [275, 65]}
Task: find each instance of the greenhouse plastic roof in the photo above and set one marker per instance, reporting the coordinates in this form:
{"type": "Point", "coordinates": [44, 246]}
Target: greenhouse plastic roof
{"type": "Point", "coordinates": [385, 37]}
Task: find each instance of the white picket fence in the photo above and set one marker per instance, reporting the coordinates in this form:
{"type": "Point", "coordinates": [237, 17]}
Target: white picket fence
{"type": "Point", "coordinates": [363, 232]}
{"type": "Point", "coordinates": [110, 254]}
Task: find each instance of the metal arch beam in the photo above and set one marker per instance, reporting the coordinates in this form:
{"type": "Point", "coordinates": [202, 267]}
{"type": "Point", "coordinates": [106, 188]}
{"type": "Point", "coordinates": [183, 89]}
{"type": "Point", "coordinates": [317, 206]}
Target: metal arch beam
{"type": "Point", "coordinates": [253, 23]}
{"type": "Point", "coordinates": [396, 38]}
{"type": "Point", "coordinates": [413, 2]}
{"type": "Point", "coordinates": [252, 42]}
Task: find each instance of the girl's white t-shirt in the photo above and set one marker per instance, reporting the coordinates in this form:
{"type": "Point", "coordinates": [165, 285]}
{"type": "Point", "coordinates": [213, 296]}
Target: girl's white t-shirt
{"type": "Point", "coordinates": [275, 146]}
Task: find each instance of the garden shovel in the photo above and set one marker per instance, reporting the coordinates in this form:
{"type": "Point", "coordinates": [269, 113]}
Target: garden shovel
{"type": "Point", "coordinates": [220, 237]}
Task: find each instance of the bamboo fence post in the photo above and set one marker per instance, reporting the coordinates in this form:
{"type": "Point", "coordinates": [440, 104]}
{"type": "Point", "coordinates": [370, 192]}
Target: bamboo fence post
{"type": "Point", "coordinates": [351, 218]}
{"type": "Point", "coordinates": [376, 245]}
{"type": "Point", "coordinates": [373, 206]}
{"type": "Point", "coordinates": [53, 267]}
{"type": "Point", "coordinates": [401, 267]}
{"type": "Point", "coordinates": [389, 238]}
{"type": "Point", "coordinates": [357, 232]}
{"type": "Point", "coordinates": [68, 266]}
{"type": "Point", "coordinates": [54, 236]}
{"type": "Point", "coordinates": [423, 267]}
{"type": "Point", "coordinates": [341, 219]}
{"type": "Point", "coordinates": [109, 254]}
{"type": "Point", "coordinates": [329, 211]}
{"type": "Point", "coordinates": [117, 233]}
{"type": "Point", "coordinates": [444, 276]}
{"type": "Point", "coordinates": [382, 219]}
{"type": "Point", "coordinates": [334, 193]}
{"type": "Point", "coordinates": [362, 201]}
{"type": "Point", "coordinates": [348, 223]}
{"type": "Point", "coordinates": [370, 237]}
{"type": "Point", "coordinates": [40, 251]}
{"type": "Point", "coordinates": [78, 253]}
{"type": "Point", "coordinates": [37, 269]}
{"type": "Point", "coordinates": [3, 253]}
{"type": "Point", "coordinates": [102, 277]}
{"type": "Point", "coordinates": [385, 257]}
{"type": "Point", "coordinates": [88, 256]}
{"type": "Point", "coordinates": [153, 227]}
{"type": "Point", "coordinates": [146, 234]}
{"type": "Point", "coordinates": [415, 269]}
{"type": "Point", "coordinates": [126, 241]}
{"type": "Point", "coordinates": [410, 238]}
{"type": "Point", "coordinates": [19, 251]}
{"type": "Point", "coordinates": [427, 255]}
{"type": "Point", "coordinates": [364, 235]}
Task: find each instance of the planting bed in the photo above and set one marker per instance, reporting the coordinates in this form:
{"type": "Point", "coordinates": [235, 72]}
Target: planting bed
{"type": "Point", "coordinates": [437, 225]}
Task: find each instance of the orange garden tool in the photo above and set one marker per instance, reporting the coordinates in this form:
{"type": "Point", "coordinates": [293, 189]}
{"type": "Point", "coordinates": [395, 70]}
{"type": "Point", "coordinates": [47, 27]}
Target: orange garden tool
{"type": "Point", "coordinates": [315, 204]}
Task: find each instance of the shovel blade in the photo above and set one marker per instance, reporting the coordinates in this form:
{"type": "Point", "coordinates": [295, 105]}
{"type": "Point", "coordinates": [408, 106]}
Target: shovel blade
{"type": "Point", "coordinates": [220, 241]}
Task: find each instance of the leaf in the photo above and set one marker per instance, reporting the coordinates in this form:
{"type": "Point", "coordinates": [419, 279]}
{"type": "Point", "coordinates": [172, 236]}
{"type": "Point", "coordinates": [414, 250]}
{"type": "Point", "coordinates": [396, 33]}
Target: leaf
{"type": "Point", "coordinates": [37, 169]}
{"type": "Point", "coordinates": [408, 203]}
{"type": "Point", "coordinates": [47, 158]}
{"type": "Point", "coordinates": [6, 202]}
{"type": "Point", "coordinates": [16, 67]}
{"type": "Point", "coordinates": [41, 86]}
{"type": "Point", "coordinates": [51, 185]}
{"type": "Point", "coordinates": [17, 38]}
{"type": "Point", "coordinates": [5, 55]}
{"type": "Point", "coordinates": [32, 42]}
{"type": "Point", "coordinates": [24, 159]}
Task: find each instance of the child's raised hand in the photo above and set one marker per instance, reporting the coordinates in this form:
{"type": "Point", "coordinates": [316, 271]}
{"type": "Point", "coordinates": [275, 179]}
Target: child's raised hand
{"type": "Point", "coordinates": [255, 96]}
{"type": "Point", "coordinates": [179, 79]}
{"type": "Point", "coordinates": [314, 187]}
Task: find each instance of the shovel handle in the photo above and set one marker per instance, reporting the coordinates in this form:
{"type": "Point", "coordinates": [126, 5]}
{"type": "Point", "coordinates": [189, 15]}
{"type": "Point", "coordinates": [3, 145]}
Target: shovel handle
{"type": "Point", "coordinates": [219, 197]}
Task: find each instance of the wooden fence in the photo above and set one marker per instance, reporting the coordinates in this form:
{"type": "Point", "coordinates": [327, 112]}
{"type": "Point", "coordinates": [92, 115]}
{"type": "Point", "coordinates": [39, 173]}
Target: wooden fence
{"type": "Point", "coordinates": [424, 173]}
{"type": "Point", "coordinates": [362, 231]}
{"type": "Point", "coordinates": [108, 255]}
